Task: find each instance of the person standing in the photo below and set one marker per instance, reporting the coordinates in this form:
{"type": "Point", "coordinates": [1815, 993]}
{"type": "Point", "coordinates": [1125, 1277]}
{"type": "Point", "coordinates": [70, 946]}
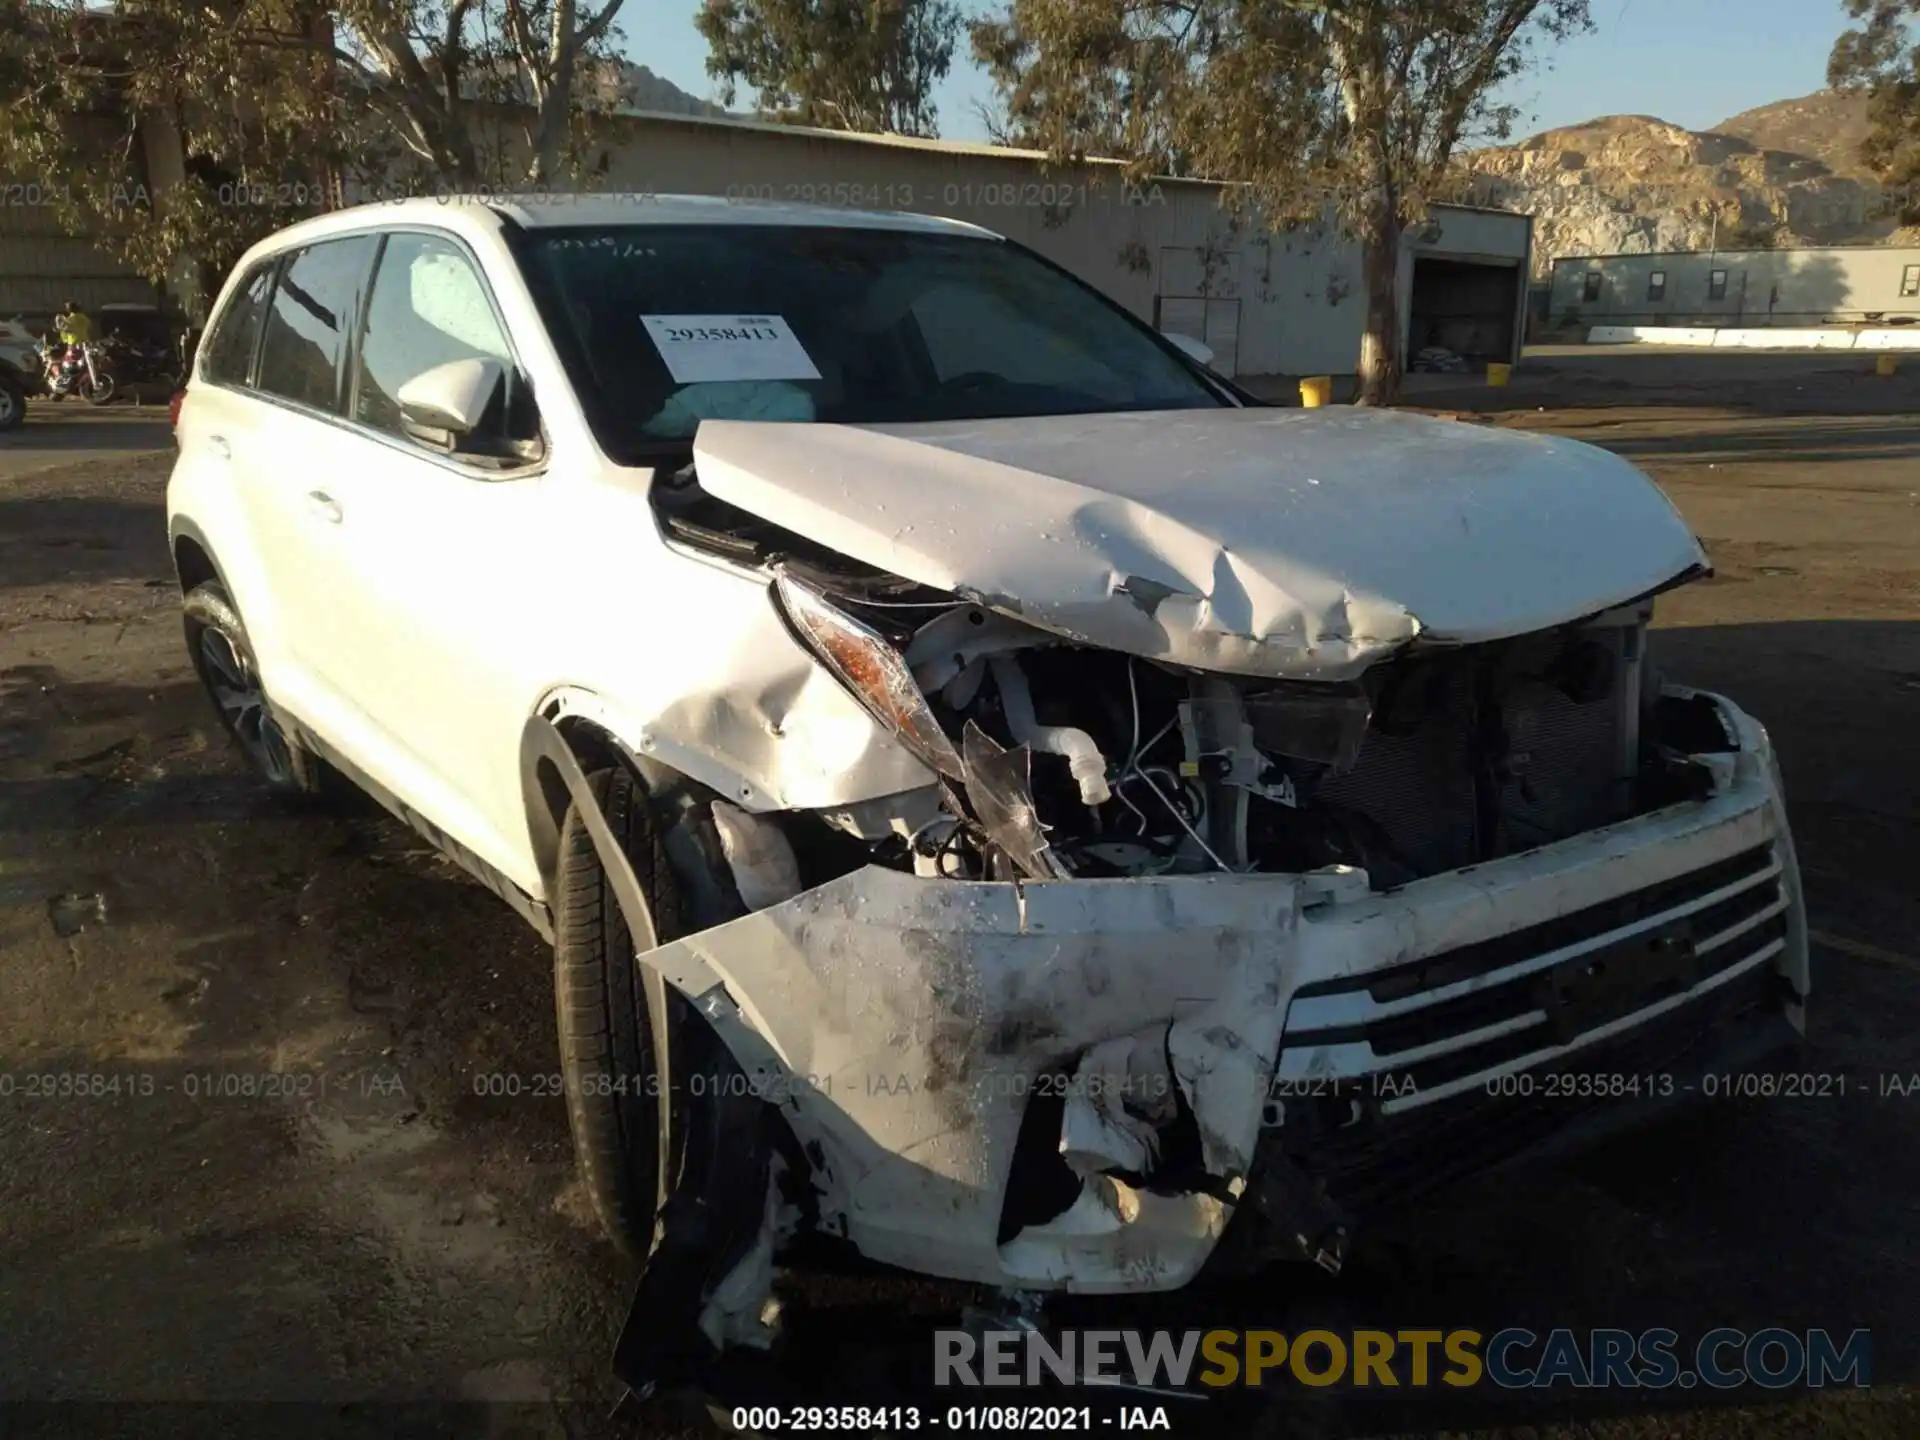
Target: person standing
{"type": "Point", "coordinates": [75, 332]}
{"type": "Point", "coordinates": [72, 324]}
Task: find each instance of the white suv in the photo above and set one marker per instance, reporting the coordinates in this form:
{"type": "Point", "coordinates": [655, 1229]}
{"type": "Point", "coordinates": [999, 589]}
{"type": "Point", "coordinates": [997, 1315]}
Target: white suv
{"type": "Point", "coordinates": [1000, 800]}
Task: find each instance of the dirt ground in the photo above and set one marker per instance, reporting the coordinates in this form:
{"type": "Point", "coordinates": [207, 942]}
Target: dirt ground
{"type": "Point", "coordinates": [271, 1177]}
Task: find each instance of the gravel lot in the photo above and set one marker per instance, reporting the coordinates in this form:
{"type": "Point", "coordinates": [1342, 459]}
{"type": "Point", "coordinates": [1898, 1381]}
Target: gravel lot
{"type": "Point", "coordinates": [368, 1234]}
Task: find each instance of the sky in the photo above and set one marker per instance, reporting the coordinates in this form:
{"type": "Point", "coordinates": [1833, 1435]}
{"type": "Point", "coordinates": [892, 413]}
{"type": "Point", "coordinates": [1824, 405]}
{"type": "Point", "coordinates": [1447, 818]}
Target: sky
{"type": "Point", "coordinates": [1693, 62]}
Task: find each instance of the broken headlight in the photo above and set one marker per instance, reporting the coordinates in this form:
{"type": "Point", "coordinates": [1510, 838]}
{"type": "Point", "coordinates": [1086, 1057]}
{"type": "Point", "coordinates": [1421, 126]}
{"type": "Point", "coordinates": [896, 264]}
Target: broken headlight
{"type": "Point", "coordinates": [873, 671]}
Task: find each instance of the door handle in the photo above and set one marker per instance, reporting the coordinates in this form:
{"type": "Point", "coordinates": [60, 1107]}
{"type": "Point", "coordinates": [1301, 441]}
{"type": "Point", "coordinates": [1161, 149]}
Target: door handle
{"type": "Point", "coordinates": [218, 444]}
{"type": "Point", "coordinates": [325, 506]}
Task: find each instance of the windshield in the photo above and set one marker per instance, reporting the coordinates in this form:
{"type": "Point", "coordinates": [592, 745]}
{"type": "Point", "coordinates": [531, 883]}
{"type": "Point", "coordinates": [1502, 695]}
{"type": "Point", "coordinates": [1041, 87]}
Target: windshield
{"type": "Point", "coordinates": [664, 326]}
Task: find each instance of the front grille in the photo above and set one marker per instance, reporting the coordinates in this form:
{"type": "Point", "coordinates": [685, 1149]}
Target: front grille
{"type": "Point", "coordinates": [1378, 1161]}
{"type": "Point", "coordinates": [1441, 1020]}
{"type": "Point", "coordinates": [1491, 750]}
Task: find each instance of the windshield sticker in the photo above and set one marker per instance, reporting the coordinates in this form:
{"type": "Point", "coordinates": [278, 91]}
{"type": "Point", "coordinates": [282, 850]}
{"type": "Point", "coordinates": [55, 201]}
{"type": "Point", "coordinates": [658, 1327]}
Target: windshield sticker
{"type": "Point", "coordinates": [701, 348]}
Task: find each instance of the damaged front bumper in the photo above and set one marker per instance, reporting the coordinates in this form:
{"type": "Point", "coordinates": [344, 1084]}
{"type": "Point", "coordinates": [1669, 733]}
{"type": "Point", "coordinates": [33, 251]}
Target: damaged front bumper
{"type": "Point", "coordinates": [912, 1030]}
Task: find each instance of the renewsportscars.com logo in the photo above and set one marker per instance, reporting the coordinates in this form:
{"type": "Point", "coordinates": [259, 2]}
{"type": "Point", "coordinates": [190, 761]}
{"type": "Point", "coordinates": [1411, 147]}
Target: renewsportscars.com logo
{"type": "Point", "coordinates": [1723, 1359]}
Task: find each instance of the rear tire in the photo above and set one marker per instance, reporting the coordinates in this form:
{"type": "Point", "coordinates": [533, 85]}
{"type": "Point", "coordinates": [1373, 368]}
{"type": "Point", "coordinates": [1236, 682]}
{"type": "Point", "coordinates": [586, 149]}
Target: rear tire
{"type": "Point", "coordinates": [13, 403]}
{"type": "Point", "coordinates": [608, 1052]}
{"type": "Point", "coordinates": [223, 658]}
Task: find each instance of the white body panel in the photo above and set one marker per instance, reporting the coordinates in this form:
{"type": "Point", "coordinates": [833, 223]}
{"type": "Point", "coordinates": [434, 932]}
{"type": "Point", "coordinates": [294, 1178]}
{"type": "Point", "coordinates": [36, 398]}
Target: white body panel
{"type": "Point", "coordinates": [1272, 542]}
{"type": "Point", "coordinates": [17, 344]}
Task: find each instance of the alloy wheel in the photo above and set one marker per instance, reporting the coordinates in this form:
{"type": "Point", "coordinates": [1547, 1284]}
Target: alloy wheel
{"type": "Point", "coordinates": [237, 691]}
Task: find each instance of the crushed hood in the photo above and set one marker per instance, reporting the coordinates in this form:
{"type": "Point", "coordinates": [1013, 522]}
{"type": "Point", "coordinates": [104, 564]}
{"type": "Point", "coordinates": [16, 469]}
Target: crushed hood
{"type": "Point", "coordinates": [1299, 543]}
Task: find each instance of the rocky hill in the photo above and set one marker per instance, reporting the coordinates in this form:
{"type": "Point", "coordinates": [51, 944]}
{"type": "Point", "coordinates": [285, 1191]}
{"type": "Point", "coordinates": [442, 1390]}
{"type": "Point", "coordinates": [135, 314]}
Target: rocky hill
{"type": "Point", "coordinates": [1825, 125]}
{"type": "Point", "coordinates": [635, 87]}
{"type": "Point", "coordinates": [1783, 174]}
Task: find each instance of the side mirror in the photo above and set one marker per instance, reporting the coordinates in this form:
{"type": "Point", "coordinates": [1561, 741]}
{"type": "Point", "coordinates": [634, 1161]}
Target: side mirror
{"type": "Point", "coordinates": [475, 409]}
{"type": "Point", "coordinates": [1196, 350]}
{"type": "Point", "coordinates": [443, 406]}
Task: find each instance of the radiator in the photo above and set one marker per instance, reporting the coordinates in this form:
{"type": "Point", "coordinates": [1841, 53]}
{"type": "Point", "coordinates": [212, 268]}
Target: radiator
{"type": "Point", "coordinates": [1503, 758]}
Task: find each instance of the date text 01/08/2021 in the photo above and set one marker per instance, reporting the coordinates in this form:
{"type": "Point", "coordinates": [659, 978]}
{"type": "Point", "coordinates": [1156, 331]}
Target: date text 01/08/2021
{"type": "Point", "coordinates": [1723, 1085]}
{"type": "Point", "coordinates": [778, 1088]}
{"type": "Point", "coordinates": [899, 1419]}
{"type": "Point", "coordinates": [193, 1084]}
{"type": "Point", "coordinates": [895, 195]}
{"type": "Point", "coordinates": [1581, 1085]}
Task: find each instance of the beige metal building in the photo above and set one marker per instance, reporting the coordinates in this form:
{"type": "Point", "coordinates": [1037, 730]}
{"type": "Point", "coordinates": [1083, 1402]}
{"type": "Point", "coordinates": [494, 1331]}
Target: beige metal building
{"type": "Point", "coordinates": [1289, 304]}
{"type": "Point", "coordinates": [42, 267]}
{"type": "Point", "coordinates": [1267, 304]}
{"type": "Point", "coordinates": [1834, 285]}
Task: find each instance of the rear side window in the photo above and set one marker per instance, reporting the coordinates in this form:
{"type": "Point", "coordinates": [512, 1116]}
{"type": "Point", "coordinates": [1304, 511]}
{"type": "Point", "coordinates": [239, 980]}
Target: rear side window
{"type": "Point", "coordinates": [230, 347]}
{"type": "Point", "coordinates": [303, 352]}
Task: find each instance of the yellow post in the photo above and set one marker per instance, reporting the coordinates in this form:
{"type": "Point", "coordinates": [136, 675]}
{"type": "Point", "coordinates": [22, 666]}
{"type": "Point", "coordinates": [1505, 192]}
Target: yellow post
{"type": "Point", "coordinates": [1316, 390]}
{"type": "Point", "coordinates": [1886, 364]}
{"type": "Point", "coordinates": [1497, 375]}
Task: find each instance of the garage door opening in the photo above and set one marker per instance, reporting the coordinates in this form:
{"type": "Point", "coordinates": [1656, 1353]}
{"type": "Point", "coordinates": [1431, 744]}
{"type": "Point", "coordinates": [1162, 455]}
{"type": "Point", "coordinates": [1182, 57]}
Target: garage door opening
{"type": "Point", "coordinates": [1467, 309]}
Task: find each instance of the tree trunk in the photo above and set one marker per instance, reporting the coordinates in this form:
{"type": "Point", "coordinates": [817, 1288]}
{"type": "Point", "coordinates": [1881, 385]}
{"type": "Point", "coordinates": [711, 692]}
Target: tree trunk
{"type": "Point", "coordinates": [1380, 358]}
{"type": "Point", "coordinates": [550, 132]}
{"type": "Point", "coordinates": [555, 111]}
{"type": "Point", "coordinates": [321, 33]}
{"type": "Point", "coordinates": [449, 146]}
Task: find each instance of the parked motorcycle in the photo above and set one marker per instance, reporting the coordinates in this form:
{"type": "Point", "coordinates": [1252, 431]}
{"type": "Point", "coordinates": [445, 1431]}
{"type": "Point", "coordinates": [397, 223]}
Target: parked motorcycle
{"type": "Point", "coordinates": [84, 370]}
{"type": "Point", "coordinates": [139, 361]}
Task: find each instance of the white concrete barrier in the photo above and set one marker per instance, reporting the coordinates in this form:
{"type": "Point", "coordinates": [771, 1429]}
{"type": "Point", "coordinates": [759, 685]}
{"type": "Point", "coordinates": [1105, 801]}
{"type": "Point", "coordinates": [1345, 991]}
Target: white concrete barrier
{"type": "Point", "coordinates": [1784, 340]}
{"type": "Point", "coordinates": [1648, 335]}
{"type": "Point", "coordinates": [1756, 339]}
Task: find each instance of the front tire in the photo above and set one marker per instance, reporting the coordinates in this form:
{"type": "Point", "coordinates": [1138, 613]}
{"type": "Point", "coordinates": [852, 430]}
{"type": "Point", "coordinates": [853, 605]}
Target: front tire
{"type": "Point", "coordinates": [101, 391]}
{"type": "Point", "coordinates": [223, 658]}
{"type": "Point", "coordinates": [13, 403]}
{"type": "Point", "coordinates": [608, 1052]}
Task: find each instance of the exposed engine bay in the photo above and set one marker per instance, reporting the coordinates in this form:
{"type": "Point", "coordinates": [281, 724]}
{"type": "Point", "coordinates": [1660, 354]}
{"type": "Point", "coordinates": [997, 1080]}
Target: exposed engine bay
{"type": "Point", "coordinates": [1062, 761]}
